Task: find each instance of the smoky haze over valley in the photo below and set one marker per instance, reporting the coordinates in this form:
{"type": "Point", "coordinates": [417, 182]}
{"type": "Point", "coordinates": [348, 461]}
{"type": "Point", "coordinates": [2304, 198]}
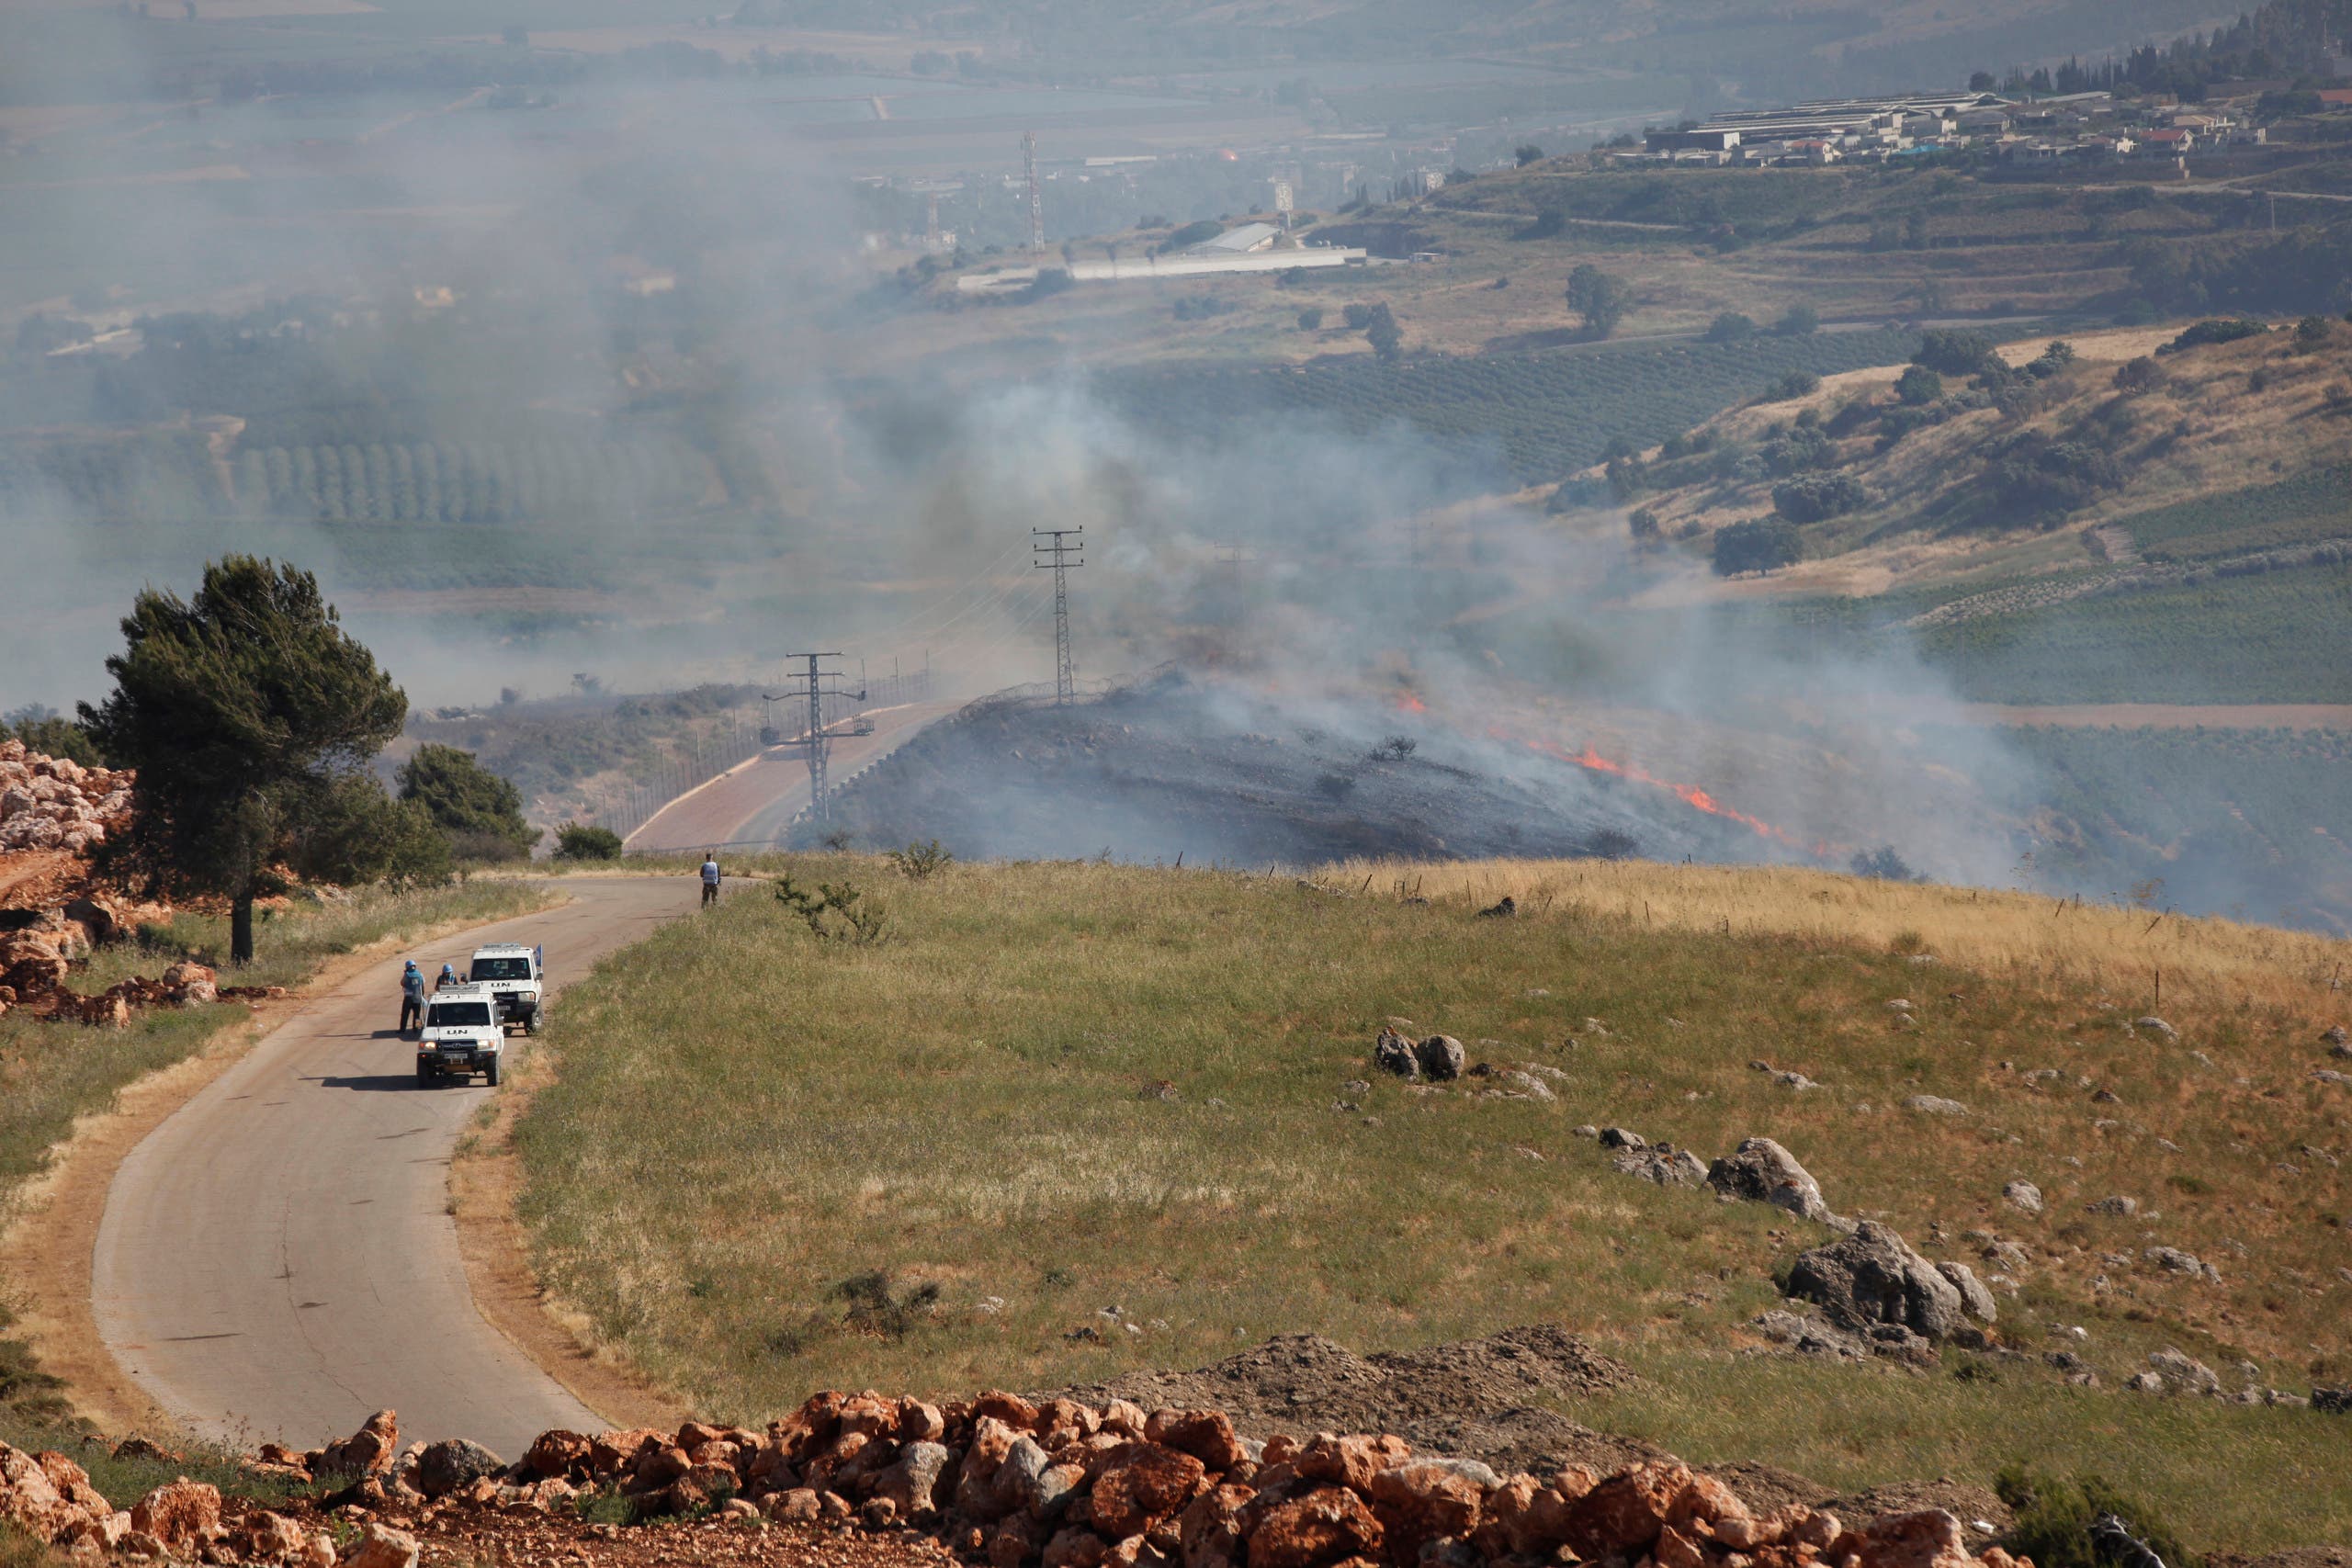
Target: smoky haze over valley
{"type": "Point", "coordinates": [616, 346]}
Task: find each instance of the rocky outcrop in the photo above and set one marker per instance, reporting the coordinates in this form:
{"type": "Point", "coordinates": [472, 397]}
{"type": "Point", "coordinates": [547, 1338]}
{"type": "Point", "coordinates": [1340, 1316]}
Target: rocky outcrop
{"type": "Point", "coordinates": [50, 1498]}
{"type": "Point", "coordinates": [1761, 1171]}
{"type": "Point", "coordinates": [1873, 1277]}
{"type": "Point", "coordinates": [54, 803]}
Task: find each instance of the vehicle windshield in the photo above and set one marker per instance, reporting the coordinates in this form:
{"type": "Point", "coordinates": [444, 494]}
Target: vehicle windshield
{"type": "Point", "coordinates": [458, 1015]}
{"type": "Point", "coordinates": [501, 969]}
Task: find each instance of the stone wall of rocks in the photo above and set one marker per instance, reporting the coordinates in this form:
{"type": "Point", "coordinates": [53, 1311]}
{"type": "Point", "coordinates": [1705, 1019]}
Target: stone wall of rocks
{"type": "Point", "coordinates": [54, 803]}
{"type": "Point", "coordinates": [1013, 1483]}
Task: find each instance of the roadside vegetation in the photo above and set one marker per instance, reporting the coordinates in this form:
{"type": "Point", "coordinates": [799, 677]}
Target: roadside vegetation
{"type": "Point", "coordinates": [1132, 1121]}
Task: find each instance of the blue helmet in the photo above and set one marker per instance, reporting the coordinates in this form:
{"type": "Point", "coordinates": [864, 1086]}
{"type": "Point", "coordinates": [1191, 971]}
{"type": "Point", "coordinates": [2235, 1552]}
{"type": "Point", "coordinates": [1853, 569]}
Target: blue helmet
{"type": "Point", "coordinates": [411, 963]}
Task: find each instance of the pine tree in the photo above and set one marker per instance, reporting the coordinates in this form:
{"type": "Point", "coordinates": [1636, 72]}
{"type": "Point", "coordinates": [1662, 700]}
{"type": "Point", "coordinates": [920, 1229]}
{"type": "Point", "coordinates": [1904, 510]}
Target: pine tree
{"type": "Point", "coordinates": [251, 718]}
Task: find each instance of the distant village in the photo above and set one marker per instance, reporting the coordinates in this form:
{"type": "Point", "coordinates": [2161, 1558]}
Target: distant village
{"type": "Point", "coordinates": [2084, 126]}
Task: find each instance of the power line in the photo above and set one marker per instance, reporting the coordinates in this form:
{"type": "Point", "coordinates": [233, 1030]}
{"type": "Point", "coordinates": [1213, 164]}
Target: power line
{"type": "Point", "coordinates": [1056, 552]}
{"type": "Point", "coordinates": [814, 684]}
{"type": "Point", "coordinates": [1036, 200]}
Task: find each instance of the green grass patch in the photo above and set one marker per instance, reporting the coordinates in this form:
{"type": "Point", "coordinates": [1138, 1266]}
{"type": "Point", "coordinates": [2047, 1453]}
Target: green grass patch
{"type": "Point", "coordinates": [773, 1161]}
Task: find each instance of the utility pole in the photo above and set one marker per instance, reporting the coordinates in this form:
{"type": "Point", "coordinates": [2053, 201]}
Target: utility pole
{"type": "Point", "coordinates": [1057, 552]}
{"type": "Point", "coordinates": [1036, 200]}
{"type": "Point", "coordinates": [814, 684]}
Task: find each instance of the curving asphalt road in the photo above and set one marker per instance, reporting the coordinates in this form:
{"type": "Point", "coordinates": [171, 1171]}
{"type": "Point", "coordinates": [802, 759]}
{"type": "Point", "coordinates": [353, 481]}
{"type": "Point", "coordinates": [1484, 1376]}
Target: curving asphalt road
{"type": "Point", "coordinates": [754, 802]}
{"type": "Point", "coordinates": [277, 1260]}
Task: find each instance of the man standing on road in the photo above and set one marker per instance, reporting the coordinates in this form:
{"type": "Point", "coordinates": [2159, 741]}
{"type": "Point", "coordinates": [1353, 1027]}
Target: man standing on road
{"type": "Point", "coordinates": [710, 878]}
{"type": "Point", "coordinates": [412, 997]}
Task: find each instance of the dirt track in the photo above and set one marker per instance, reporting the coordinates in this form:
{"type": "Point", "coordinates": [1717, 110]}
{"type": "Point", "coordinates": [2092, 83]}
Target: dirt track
{"type": "Point", "coordinates": [277, 1260]}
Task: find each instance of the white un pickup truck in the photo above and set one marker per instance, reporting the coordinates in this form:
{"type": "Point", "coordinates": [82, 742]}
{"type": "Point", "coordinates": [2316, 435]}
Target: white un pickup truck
{"type": "Point", "coordinates": [511, 973]}
{"type": "Point", "coordinates": [462, 1037]}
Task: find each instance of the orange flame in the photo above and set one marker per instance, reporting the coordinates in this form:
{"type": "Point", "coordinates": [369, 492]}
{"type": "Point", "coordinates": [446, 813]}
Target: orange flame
{"type": "Point", "coordinates": [1408, 703]}
{"type": "Point", "coordinates": [1691, 794]}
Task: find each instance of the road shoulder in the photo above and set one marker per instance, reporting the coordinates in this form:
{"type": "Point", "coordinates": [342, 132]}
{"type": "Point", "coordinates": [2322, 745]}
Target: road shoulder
{"type": "Point", "coordinates": [485, 1180]}
{"type": "Point", "coordinates": [53, 1221]}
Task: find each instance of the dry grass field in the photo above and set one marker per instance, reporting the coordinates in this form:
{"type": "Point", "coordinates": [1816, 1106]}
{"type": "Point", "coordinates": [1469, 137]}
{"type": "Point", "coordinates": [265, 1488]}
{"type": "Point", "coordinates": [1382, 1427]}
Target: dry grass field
{"type": "Point", "coordinates": [773, 1160]}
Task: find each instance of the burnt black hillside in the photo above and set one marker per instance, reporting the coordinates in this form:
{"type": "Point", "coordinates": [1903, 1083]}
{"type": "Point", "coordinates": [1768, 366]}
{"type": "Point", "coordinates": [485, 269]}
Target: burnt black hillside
{"type": "Point", "coordinates": [1178, 767]}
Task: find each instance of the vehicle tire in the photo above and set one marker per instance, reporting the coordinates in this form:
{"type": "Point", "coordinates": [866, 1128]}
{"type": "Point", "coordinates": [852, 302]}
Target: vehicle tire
{"type": "Point", "coordinates": [531, 1024]}
{"type": "Point", "coordinates": [425, 1078]}
{"type": "Point", "coordinates": [490, 1074]}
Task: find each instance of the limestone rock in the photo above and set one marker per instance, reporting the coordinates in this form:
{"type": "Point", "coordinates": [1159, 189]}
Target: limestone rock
{"type": "Point", "coordinates": [2022, 1196]}
{"type": "Point", "coordinates": [454, 1464]}
{"type": "Point", "coordinates": [1873, 1276]}
{"type": "Point", "coordinates": [1441, 1058]}
{"type": "Point", "coordinates": [1975, 1299]}
{"type": "Point", "coordinates": [181, 1515]}
{"type": "Point", "coordinates": [367, 1451]}
{"type": "Point", "coordinates": [1761, 1171]}
{"type": "Point", "coordinates": [380, 1546]}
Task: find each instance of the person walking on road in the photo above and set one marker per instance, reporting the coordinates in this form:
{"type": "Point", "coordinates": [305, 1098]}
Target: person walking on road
{"type": "Point", "coordinates": [412, 997]}
{"type": "Point", "coordinates": [710, 878]}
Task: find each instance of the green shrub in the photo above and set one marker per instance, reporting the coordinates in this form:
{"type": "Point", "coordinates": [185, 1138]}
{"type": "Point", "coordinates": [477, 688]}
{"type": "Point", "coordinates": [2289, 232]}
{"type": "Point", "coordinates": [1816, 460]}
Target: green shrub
{"type": "Point", "coordinates": [2214, 331]}
{"type": "Point", "coordinates": [1762, 544]}
{"type": "Point", "coordinates": [584, 841]}
{"type": "Point", "coordinates": [1795, 384]}
{"type": "Point", "coordinates": [1954, 352]}
{"type": "Point", "coordinates": [2054, 1518]}
{"type": "Point", "coordinates": [1918, 386]}
{"type": "Point", "coordinates": [1812, 498]}
{"type": "Point", "coordinates": [1732, 327]}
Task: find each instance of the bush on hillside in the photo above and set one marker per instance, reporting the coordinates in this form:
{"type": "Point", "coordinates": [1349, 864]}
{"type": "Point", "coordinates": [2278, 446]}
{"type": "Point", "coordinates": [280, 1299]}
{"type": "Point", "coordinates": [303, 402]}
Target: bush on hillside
{"type": "Point", "coordinates": [1919, 386]}
{"type": "Point", "coordinates": [1815, 498]}
{"type": "Point", "coordinates": [1795, 384]}
{"type": "Point", "coordinates": [1797, 451]}
{"type": "Point", "coordinates": [2045, 479]}
{"type": "Point", "coordinates": [1954, 352]}
{"type": "Point", "coordinates": [1762, 544]}
{"type": "Point", "coordinates": [1883, 865]}
{"type": "Point", "coordinates": [1049, 281]}
{"type": "Point", "coordinates": [1732, 327]}
{"type": "Point", "coordinates": [1800, 321]}
{"type": "Point", "coordinates": [583, 840]}
{"type": "Point", "coordinates": [2141, 375]}
{"type": "Point", "coordinates": [2207, 333]}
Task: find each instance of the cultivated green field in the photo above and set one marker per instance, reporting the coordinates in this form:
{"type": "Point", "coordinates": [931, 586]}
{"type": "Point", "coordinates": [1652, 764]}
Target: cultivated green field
{"type": "Point", "coordinates": [2281, 637]}
{"type": "Point", "coordinates": [1055, 1090]}
{"type": "Point", "coordinates": [1543, 415]}
{"type": "Point", "coordinates": [2314, 506]}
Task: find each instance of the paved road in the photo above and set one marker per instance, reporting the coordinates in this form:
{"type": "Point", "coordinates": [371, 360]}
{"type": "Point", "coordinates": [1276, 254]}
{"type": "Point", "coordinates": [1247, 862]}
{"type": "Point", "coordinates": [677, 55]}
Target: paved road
{"type": "Point", "coordinates": [754, 802]}
{"type": "Point", "coordinates": [277, 1260]}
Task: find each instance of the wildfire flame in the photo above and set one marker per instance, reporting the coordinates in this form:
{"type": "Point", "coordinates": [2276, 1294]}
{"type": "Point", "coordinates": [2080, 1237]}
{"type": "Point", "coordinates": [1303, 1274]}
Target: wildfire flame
{"type": "Point", "coordinates": [1591, 761]}
{"type": "Point", "coordinates": [1691, 794]}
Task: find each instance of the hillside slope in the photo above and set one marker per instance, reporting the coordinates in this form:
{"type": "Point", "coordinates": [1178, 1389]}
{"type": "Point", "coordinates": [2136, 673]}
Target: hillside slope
{"type": "Point", "coordinates": [1063, 1122]}
{"type": "Point", "coordinates": [2113, 449]}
